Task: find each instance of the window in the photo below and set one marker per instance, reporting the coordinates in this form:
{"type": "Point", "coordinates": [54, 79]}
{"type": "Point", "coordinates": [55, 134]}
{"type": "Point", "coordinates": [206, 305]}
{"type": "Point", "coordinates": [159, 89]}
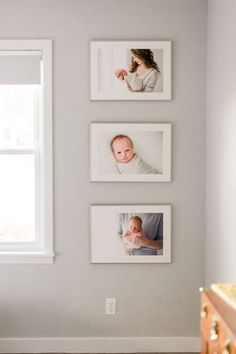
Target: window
{"type": "Point", "coordinates": [26, 216]}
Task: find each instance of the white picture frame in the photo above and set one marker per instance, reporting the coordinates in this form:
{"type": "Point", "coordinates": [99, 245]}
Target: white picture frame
{"type": "Point", "coordinates": [107, 244]}
{"type": "Point", "coordinates": [109, 56]}
{"type": "Point", "coordinates": [151, 158]}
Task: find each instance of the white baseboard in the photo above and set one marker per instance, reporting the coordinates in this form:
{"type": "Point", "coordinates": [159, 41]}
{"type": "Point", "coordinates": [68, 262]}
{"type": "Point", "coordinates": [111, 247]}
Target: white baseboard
{"type": "Point", "coordinates": [100, 345]}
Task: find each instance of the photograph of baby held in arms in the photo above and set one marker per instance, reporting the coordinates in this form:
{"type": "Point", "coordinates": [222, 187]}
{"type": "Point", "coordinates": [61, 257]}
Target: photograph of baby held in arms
{"type": "Point", "coordinates": [130, 152]}
{"type": "Point", "coordinates": [141, 234]}
{"type": "Point", "coordinates": [130, 234]}
{"type": "Point", "coordinates": [139, 70]}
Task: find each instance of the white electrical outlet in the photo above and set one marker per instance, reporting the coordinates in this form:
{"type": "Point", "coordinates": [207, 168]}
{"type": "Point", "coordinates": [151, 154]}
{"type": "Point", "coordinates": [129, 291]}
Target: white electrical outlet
{"type": "Point", "coordinates": [110, 306]}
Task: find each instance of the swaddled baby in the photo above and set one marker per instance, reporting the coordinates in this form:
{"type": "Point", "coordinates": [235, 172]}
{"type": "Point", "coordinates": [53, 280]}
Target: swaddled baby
{"type": "Point", "coordinates": [127, 161]}
{"type": "Point", "coordinates": [131, 234]}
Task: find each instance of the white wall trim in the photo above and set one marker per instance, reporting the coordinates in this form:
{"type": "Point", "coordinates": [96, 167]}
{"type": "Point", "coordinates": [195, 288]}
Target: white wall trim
{"type": "Point", "coordinates": [100, 345]}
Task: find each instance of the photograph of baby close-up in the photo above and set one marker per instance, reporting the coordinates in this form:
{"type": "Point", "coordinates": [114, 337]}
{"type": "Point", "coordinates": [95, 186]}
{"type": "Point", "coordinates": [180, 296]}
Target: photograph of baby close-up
{"type": "Point", "coordinates": [130, 152]}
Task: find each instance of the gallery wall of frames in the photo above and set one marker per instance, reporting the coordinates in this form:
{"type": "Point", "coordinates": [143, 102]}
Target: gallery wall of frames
{"type": "Point", "coordinates": [131, 152]}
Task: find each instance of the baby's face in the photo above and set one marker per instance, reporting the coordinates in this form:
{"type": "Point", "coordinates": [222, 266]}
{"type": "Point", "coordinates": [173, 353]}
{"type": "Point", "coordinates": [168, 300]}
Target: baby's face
{"type": "Point", "coordinates": [123, 150]}
{"type": "Point", "coordinates": [134, 226]}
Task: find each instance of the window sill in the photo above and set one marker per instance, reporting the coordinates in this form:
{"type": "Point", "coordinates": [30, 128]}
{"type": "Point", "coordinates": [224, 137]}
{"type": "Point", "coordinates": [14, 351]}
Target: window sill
{"type": "Point", "coordinates": [26, 258]}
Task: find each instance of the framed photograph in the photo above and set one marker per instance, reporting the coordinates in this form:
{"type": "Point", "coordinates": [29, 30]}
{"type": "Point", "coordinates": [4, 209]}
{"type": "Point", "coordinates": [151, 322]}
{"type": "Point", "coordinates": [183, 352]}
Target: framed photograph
{"type": "Point", "coordinates": [134, 152]}
{"type": "Point", "coordinates": [131, 234]}
{"type": "Point", "coordinates": [120, 71]}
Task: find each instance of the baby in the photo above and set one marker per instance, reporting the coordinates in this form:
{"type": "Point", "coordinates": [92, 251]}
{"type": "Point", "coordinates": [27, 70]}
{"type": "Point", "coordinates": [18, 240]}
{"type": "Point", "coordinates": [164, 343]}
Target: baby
{"type": "Point", "coordinates": [128, 162]}
{"type": "Point", "coordinates": [129, 235]}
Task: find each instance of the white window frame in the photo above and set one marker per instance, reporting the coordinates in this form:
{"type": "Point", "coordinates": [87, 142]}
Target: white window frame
{"type": "Point", "coordinates": [41, 250]}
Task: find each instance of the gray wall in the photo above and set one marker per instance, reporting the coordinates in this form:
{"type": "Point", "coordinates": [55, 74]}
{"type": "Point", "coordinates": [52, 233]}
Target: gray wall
{"type": "Point", "coordinates": [68, 298]}
{"type": "Point", "coordinates": [221, 143]}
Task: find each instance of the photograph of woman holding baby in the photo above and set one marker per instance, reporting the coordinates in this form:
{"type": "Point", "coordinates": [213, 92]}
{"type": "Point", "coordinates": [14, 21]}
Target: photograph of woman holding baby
{"type": "Point", "coordinates": [131, 233]}
{"type": "Point", "coordinates": [143, 71]}
{"type": "Point", "coordinates": [139, 70]}
{"type": "Point", "coordinates": [141, 234]}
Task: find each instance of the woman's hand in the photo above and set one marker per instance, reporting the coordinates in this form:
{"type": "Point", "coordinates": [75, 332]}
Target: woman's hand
{"type": "Point", "coordinates": [142, 241]}
{"type": "Point", "coordinates": [139, 239]}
